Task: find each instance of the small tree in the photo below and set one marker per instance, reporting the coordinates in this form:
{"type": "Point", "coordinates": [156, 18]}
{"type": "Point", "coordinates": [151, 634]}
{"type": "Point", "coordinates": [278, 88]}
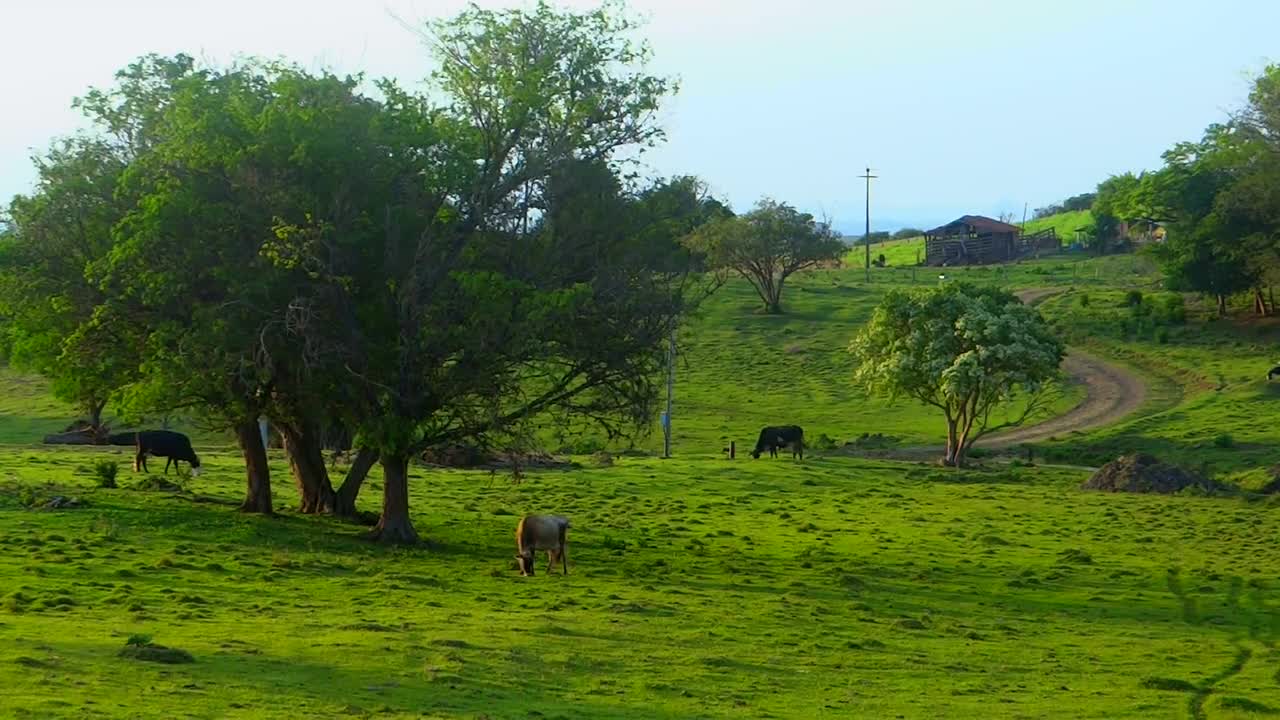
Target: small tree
{"type": "Point", "coordinates": [766, 246]}
{"type": "Point", "coordinates": [963, 349]}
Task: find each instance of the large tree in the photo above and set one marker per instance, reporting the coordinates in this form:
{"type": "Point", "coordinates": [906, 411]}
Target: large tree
{"type": "Point", "coordinates": [496, 285]}
{"type": "Point", "coordinates": [767, 246]}
{"type": "Point", "coordinates": [963, 349]}
{"type": "Point", "coordinates": [1211, 248]}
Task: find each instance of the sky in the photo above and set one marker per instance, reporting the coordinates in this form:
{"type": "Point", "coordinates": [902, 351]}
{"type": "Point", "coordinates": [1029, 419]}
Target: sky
{"type": "Point", "coordinates": [959, 106]}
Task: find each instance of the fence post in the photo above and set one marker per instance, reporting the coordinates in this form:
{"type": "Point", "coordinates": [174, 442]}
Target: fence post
{"type": "Point", "coordinates": [733, 448]}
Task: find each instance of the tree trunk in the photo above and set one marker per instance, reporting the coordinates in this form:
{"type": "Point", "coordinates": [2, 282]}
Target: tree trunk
{"type": "Point", "coordinates": [258, 496]}
{"type": "Point", "coordinates": [1259, 303]}
{"type": "Point", "coordinates": [306, 462]}
{"type": "Point", "coordinates": [1222, 306]}
{"type": "Point", "coordinates": [95, 422]}
{"type": "Point", "coordinates": [345, 499]}
{"type": "Point", "coordinates": [775, 297]}
{"type": "Point", "coordinates": [394, 526]}
{"type": "Point", "coordinates": [952, 448]}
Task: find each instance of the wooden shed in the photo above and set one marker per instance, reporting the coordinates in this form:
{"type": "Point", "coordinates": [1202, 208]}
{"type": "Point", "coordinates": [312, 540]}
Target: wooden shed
{"type": "Point", "coordinates": [978, 240]}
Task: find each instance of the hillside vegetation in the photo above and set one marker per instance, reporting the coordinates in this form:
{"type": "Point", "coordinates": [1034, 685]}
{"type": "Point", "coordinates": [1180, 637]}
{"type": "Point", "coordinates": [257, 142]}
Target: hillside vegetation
{"type": "Point", "coordinates": [699, 587]}
{"type": "Point", "coordinates": [1064, 223]}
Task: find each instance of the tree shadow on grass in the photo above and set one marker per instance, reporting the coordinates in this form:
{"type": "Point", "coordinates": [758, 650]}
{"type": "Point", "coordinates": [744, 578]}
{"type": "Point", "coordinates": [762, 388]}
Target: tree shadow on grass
{"type": "Point", "coordinates": [438, 680]}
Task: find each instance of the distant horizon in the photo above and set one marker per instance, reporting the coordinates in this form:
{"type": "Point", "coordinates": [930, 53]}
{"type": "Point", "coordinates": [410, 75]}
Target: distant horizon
{"type": "Point", "coordinates": [789, 102]}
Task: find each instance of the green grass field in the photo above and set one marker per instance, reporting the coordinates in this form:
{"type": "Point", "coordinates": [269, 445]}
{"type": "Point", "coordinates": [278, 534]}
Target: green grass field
{"type": "Point", "coordinates": [700, 587]}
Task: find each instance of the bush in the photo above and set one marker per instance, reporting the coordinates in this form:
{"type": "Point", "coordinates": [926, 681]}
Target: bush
{"type": "Point", "coordinates": [1174, 309]}
{"type": "Point", "coordinates": [823, 442]}
{"type": "Point", "coordinates": [1133, 298]}
{"type": "Point", "coordinates": [1224, 440]}
{"type": "Point", "coordinates": [105, 471]}
{"type": "Point", "coordinates": [1084, 299]}
{"type": "Point", "coordinates": [582, 446]}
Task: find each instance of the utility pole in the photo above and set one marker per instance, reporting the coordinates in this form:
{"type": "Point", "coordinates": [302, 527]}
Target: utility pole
{"type": "Point", "coordinates": [671, 385]}
{"type": "Point", "coordinates": [867, 238]}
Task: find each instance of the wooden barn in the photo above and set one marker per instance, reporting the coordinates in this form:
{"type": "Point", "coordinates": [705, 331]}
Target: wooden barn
{"type": "Point", "coordinates": [978, 240]}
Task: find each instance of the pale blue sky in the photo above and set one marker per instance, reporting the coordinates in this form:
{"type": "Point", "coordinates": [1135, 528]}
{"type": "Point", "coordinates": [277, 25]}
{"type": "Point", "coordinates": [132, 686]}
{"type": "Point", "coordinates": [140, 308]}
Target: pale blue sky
{"type": "Point", "coordinates": [961, 107]}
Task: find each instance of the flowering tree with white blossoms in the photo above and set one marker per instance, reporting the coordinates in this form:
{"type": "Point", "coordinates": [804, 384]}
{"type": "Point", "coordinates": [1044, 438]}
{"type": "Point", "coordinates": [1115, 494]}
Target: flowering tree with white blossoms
{"type": "Point", "coordinates": [965, 350]}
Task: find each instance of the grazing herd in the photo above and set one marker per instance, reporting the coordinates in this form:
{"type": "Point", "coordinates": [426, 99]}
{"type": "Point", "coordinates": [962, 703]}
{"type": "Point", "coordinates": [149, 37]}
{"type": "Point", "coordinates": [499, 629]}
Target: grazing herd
{"type": "Point", "coordinates": [534, 533]}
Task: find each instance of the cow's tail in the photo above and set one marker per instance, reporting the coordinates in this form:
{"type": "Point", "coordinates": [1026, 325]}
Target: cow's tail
{"type": "Point", "coordinates": [523, 539]}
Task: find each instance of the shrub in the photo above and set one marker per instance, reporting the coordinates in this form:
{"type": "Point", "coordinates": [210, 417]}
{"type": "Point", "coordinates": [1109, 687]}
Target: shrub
{"type": "Point", "coordinates": [582, 446]}
{"type": "Point", "coordinates": [1174, 309]}
{"type": "Point", "coordinates": [1084, 299]}
{"type": "Point", "coordinates": [105, 471]}
{"type": "Point", "coordinates": [1224, 440]}
{"type": "Point", "coordinates": [823, 442]}
{"type": "Point", "coordinates": [1133, 298]}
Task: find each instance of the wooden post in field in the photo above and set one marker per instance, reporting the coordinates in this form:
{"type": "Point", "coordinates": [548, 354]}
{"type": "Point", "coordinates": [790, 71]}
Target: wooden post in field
{"type": "Point", "coordinates": [733, 449]}
{"type": "Point", "coordinates": [671, 383]}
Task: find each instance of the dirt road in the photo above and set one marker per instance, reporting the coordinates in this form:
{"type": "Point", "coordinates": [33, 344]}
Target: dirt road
{"type": "Point", "coordinates": [1111, 393]}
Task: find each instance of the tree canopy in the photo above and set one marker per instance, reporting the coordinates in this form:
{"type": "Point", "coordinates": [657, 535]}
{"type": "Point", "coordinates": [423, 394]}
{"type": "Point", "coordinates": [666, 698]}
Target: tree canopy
{"type": "Point", "coordinates": [963, 349]}
{"type": "Point", "coordinates": [443, 267]}
{"type": "Point", "coordinates": [1218, 198]}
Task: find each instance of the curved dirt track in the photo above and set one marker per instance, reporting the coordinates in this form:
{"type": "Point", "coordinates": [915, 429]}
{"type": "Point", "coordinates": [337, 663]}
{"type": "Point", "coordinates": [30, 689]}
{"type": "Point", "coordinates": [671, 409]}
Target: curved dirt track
{"type": "Point", "coordinates": [1111, 394]}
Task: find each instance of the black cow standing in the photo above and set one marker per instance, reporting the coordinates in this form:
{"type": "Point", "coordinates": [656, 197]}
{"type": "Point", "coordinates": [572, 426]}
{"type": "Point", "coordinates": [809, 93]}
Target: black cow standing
{"type": "Point", "coordinates": [173, 446]}
{"type": "Point", "coordinates": [772, 438]}
{"type": "Point", "coordinates": [1273, 372]}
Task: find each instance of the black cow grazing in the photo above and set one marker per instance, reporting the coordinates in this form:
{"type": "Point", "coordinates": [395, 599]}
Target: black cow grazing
{"type": "Point", "coordinates": [172, 446]}
{"type": "Point", "coordinates": [1273, 372]}
{"type": "Point", "coordinates": [772, 438]}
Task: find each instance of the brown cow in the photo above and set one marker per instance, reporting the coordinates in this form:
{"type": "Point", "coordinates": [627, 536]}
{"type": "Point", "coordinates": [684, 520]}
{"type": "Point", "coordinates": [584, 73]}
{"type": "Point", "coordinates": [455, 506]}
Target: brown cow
{"type": "Point", "coordinates": [541, 532]}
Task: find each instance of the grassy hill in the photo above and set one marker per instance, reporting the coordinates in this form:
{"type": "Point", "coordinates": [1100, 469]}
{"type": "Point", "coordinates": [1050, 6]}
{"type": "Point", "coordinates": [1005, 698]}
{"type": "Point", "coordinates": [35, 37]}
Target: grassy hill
{"type": "Point", "coordinates": [28, 412]}
{"type": "Point", "coordinates": [700, 587]}
{"type": "Point", "coordinates": [1065, 224]}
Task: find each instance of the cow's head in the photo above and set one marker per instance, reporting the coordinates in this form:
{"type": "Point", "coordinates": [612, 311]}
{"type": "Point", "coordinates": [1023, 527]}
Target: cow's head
{"type": "Point", "coordinates": [526, 564]}
{"type": "Point", "coordinates": [195, 467]}
{"type": "Point", "coordinates": [756, 453]}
